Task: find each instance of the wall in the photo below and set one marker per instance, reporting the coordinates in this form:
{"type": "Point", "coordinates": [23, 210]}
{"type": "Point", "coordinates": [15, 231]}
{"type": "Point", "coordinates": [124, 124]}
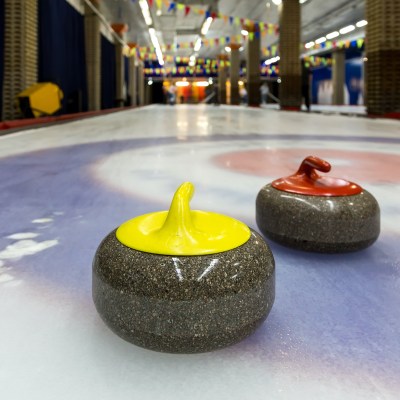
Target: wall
{"type": "Point", "coordinates": [62, 52]}
{"type": "Point", "coordinates": [108, 68]}
{"type": "Point", "coordinates": [1, 53]}
{"type": "Point", "coordinates": [322, 88]}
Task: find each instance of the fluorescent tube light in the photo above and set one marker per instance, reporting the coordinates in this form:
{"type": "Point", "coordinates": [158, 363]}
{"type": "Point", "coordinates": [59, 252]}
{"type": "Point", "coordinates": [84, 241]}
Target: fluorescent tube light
{"type": "Point", "coordinates": [347, 29]}
{"type": "Point", "coordinates": [321, 40]}
{"type": "Point", "coordinates": [332, 35]}
{"type": "Point", "coordinates": [361, 23]}
{"type": "Point", "coordinates": [206, 25]}
{"type": "Point", "coordinates": [146, 12]}
{"type": "Point", "coordinates": [156, 45]}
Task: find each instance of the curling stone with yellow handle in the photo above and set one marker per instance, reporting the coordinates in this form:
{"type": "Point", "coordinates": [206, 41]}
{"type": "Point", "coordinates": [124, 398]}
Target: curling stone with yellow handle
{"type": "Point", "coordinates": [183, 281]}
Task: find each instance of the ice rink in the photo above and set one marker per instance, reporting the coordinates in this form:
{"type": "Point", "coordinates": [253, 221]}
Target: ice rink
{"type": "Point", "coordinates": [334, 330]}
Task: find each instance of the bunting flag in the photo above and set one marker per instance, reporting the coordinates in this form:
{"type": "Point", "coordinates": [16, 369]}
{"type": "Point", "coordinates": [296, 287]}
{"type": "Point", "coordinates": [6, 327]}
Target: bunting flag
{"type": "Point", "coordinates": [315, 61]}
{"type": "Point", "coordinates": [268, 28]}
{"type": "Point", "coordinates": [187, 9]}
{"type": "Point", "coordinates": [171, 7]}
{"type": "Point", "coordinates": [199, 71]}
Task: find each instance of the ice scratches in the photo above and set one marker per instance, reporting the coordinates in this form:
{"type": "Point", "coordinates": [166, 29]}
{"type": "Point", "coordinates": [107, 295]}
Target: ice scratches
{"type": "Point", "coordinates": [25, 235]}
{"type": "Point", "coordinates": [24, 244]}
{"type": "Point", "coordinates": [42, 220]}
{"type": "Point", "coordinates": [25, 247]}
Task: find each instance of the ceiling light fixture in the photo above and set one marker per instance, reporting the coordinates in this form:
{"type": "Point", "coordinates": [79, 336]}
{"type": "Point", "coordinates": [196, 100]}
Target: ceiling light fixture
{"type": "Point", "coordinates": [182, 83]}
{"type": "Point", "coordinates": [197, 45]}
{"type": "Point", "coordinates": [279, 2]}
{"type": "Point", "coordinates": [156, 45]}
{"type": "Point", "coordinates": [332, 35]}
{"type": "Point", "coordinates": [361, 23]}
{"type": "Point", "coordinates": [206, 25]}
{"type": "Point", "coordinates": [321, 40]}
{"type": "Point", "coordinates": [192, 60]}
{"type": "Point", "coordinates": [228, 49]}
{"type": "Point", "coordinates": [146, 12]}
{"type": "Point", "coordinates": [272, 60]}
{"type": "Point", "coordinates": [347, 29]}
{"type": "Point", "coordinates": [201, 84]}
{"type": "Point", "coordinates": [309, 45]}
{"type": "Point", "coordinates": [244, 32]}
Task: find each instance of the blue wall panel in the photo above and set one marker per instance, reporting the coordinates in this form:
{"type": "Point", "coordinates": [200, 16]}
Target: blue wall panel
{"type": "Point", "coordinates": [319, 75]}
{"type": "Point", "coordinates": [62, 52]}
{"type": "Point", "coordinates": [354, 80]}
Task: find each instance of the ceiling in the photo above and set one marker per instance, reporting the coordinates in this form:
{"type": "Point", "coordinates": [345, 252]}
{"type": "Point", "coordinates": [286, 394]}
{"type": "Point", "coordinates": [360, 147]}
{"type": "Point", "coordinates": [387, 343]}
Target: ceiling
{"type": "Point", "coordinates": [319, 17]}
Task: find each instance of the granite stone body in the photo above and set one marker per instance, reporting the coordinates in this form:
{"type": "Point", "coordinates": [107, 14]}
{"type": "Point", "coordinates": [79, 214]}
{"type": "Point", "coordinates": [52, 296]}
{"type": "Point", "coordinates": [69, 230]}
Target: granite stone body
{"type": "Point", "coordinates": [183, 304]}
{"type": "Point", "coordinates": [318, 223]}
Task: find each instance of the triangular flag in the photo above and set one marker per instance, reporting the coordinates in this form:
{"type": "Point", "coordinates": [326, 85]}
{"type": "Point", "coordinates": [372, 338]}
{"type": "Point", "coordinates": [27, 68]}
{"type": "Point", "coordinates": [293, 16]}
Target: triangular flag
{"type": "Point", "coordinates": [187, 10]}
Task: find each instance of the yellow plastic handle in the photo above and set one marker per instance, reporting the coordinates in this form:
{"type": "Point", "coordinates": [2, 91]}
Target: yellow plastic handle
{"type": "Point", "coordinates": [181, 231]}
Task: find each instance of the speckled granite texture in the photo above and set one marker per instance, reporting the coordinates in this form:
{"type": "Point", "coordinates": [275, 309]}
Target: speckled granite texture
{"type": "Point", "coordinates": [183, 304]}
{"type": "Point", "coordinates": [317, 223]}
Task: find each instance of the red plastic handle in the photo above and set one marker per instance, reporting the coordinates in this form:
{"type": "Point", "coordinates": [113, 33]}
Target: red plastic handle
{"type": "Point", "coordinates": [307, 181]}
{"type": "Point", "coordinates": [312, 163]}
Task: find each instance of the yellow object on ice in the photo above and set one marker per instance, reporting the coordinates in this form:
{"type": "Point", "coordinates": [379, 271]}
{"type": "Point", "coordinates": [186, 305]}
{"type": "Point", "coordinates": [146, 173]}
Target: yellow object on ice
{"type": "Point", "coordinates": [181, 231]}
{"type": "Point", "coordinates": [40, 99]}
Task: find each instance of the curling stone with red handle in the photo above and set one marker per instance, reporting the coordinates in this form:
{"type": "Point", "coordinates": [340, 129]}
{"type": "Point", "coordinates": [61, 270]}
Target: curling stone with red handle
{"type": "Point", "coordinates": [311, 212]}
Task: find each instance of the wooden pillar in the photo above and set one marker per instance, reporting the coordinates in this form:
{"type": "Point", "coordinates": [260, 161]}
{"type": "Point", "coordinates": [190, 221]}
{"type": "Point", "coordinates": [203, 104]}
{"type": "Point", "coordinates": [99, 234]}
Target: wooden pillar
{"type": "Point", "coordinates": [235, 73]}
{"type": "Point", "coordinates": [132, 90]}
{"type": "Point", "coordinates": [383, 54]}
{"type": "Point", "coordinates": [338, 76]}
{"type": "Point", "coordinates": [20, 52]}
{"type": "Point", "coordinates": [141, 83]}
{"type": "Point", "coordinates": [93, 55]}
{"type": "Point", "coordinates": [120, 30]}
{"type": "Point", "coordinates": [253, 65]}
{"type": "Point", "coordinates": [222, 75]}
{"type": "Point", "coordinates": [289, 49]}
